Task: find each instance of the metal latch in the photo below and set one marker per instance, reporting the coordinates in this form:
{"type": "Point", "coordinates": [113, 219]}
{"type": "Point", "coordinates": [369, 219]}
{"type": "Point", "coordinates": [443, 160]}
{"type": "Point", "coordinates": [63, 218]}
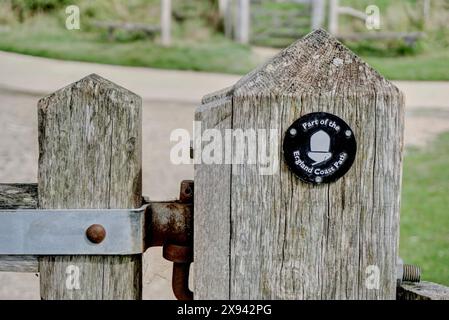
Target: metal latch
{"type": "Point", "coordinates": [107, 232]}
{"type": "Point", "coordinates": [172, 227]}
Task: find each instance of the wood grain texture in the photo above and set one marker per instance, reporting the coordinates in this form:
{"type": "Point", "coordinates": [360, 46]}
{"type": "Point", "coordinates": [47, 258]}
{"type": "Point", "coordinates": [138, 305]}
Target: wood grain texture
{"type": "Point", "coordinates": [19, 264]}
{"type": "Point", "coordinates": [90, 157]}
{"type": "Point", "coordinates": [212, 206]}
{"type": "Point", "coordinates": [18, 196]}
{"type": "Point", "coordinates": [422, 291]}
{"type": "Point", "coordinates": [291, 240]}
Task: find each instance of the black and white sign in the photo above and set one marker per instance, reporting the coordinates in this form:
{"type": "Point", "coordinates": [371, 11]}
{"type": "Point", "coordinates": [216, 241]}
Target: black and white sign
{"type": "Point", "coordinates": [319, 147]}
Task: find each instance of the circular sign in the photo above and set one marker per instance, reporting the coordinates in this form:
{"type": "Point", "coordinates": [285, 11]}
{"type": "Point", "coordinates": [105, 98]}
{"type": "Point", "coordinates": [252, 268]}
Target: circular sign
{"type": "Point", "coordinates": [319, 147]}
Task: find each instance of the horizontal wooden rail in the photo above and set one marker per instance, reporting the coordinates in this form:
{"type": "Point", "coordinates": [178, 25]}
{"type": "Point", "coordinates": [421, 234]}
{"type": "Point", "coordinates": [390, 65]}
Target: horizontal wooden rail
{"type": "Point", "coordinates": [19, 264]}
{"type": "Point", "coordinates": [352, 12]}
{"type": "Point", "coordinates": [422, 291]}
{"type": "Point", "coordinates": [150, 29]}
{"type": "Point", "coordinates": [380, 36]}
{"type": "Point", "coordinates": [18, 196]}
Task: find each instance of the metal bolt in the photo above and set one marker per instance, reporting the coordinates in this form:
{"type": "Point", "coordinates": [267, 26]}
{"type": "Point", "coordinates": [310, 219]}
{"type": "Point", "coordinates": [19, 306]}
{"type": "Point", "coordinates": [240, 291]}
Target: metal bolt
{"type": "Point", "coordinates": [145, 200]}
{"type": "Point", "coordinates": [411, 273]}
{"type": "Point", "coordinates": [96, 233]}
{"type": "Point", "coordinates": [348, 133]}
{"type": "Point", "coordinates": [293, 132]}
{"type": "Point", "coordinates": [186, 193]}
{"type": "Point", "coordinates": [408, 272]}
{"type": "Point", "coordinates": [318, 179]}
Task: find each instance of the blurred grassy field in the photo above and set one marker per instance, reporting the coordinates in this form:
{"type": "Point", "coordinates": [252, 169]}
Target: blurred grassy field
{"type": "Point", "coordinates": [425, 66]}
{"type": "Point", "coordinates": [197, 43]}
{"type": "Point", "coordinates": [217, 54]}
{"type": "Point", "coordinates": [425, 210]}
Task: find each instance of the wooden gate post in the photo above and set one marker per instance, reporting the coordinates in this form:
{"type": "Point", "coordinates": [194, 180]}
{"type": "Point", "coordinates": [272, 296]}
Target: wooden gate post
{"type": "Point", "coordinates": [275, 237]}
{"type": "Point", "coordinates": [90, 157]}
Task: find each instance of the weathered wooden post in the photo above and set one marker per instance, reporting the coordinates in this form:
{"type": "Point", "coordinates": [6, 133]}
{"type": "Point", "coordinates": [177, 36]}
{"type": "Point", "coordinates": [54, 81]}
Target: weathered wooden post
{"type": "Point", "coordinates": [333, 16]}
{"type": "Point", "coordinates": [243, 22]}
{"type": "Point", "coordinates": [229, 18]}
{"type": "Point", "coordinates": [90, 157]}
{"type": "Point", "coordinates": [166, 22]}
{"type": "Point", "coordinates": [273, 236]}
{"type": "Point", "coordinates": [318, 13]}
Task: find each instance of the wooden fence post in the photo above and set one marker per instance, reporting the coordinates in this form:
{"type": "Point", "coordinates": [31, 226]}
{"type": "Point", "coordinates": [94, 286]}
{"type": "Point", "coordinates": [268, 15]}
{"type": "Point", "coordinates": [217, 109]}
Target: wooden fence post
{"type": "Point", "coordinates": [90, 157]}
{"type": "Point", "coordinates": [222, 7]}
{"type": "Point", "coordinates": [333, 17]}
{"type": "Point", "coordinates": [166, 22]}
{"type": "Point", "coordinates": [243, 22]}
{"type": "Point", "coordinates": [318, 13]}
{"type": "Point", "coordinates": [276, 237]}
{"type": "Point", "coordinates": [229, 19]}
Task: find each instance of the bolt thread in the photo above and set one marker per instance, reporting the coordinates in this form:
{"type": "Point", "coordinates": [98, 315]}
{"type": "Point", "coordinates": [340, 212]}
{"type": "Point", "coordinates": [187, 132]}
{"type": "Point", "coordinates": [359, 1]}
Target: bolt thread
{"type": "Point", "coordinates": [411, 273]}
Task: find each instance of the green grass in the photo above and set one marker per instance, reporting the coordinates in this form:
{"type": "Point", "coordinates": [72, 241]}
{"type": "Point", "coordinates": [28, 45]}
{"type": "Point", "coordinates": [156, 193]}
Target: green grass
{"type": "Point", "coordinates": [215, 55]}
{"type": "Point", "coordinates": [196, 45]}
{"type": "Point", "coordinates": [425, 210]}
{"type": "Point", "coordinates": [426, 66]}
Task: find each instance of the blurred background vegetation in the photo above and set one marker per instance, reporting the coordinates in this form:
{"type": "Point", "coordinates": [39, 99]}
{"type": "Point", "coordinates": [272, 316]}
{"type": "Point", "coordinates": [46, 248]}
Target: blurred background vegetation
{"type": "Point", "coordinates": [424, 209]}
{"type": "Point", "coordinates": [37, 27]}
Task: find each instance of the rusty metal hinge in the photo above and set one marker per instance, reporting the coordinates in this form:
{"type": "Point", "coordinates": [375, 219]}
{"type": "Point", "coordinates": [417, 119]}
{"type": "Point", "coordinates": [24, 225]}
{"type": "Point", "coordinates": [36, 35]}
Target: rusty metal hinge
{"type": "Point", "coordinates": [171, 226]}
{"type": "Point", "coordinates": [107, 232]}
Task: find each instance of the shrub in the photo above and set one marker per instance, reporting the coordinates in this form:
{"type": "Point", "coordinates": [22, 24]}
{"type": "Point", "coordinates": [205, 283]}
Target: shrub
{"type": "Point", "coordinates": [33, 6]}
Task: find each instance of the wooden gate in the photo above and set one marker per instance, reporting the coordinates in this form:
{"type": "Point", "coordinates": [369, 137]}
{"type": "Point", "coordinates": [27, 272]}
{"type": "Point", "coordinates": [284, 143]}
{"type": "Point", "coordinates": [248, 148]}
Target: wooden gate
{"type": "Point", "coordinates": [262, 230]}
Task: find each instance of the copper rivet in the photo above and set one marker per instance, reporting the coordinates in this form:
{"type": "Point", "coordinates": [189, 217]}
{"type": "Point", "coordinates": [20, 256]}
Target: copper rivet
{"type": "Point", "coordinates": [96, 233]}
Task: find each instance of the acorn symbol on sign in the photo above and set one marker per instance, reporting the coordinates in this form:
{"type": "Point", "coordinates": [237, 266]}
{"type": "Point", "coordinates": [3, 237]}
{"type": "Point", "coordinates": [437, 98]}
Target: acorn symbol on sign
{"type": "Point", "coordinates": [319, 147]}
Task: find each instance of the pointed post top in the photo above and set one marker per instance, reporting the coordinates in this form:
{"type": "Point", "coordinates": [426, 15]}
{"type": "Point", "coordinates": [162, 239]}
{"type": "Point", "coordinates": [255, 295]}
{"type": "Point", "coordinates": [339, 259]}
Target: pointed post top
{"type": "Point", "coordinates": [322, 114]}
{"type": "Point", "coordinates": [318, 61]}
{"type": "Point", "coordinates": [90, 156]}
{"type": "Point", "coordinates": [94, 84]}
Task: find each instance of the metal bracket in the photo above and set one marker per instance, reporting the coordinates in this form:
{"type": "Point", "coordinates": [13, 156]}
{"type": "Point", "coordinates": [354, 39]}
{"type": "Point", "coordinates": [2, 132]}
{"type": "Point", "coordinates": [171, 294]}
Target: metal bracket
{"type": "Point", "coordinates": [72, 231]}
{"type": "Point", "coordinates": [179, 250]}
{"type": "Point", "coordinates": [168, 224]}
